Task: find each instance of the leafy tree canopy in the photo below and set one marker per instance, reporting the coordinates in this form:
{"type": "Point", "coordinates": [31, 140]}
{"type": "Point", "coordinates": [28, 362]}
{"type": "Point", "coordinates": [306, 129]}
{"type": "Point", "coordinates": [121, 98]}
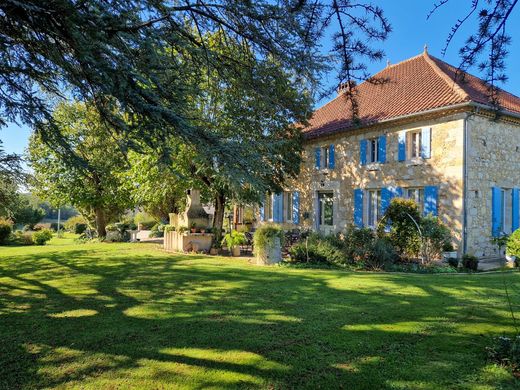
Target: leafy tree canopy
{"type": "Point", "coordinates": [95, 190]}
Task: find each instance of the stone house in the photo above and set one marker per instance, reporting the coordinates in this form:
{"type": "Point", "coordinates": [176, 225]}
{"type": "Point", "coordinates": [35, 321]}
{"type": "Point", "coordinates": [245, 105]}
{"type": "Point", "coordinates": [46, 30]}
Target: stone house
{"type": "Point", "coordinates": [425, 133]}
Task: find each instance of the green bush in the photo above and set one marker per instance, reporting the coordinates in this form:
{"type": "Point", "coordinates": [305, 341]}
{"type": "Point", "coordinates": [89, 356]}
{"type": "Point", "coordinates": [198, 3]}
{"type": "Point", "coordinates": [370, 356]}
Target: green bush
{"type": "Point", "coordinates": [404, 236]}
{"type": "Point", "coordinates": [21, 238]}
{"type": "Point", "coordinates": [470, 262]}
{"type": "Point", "coordinates": [76, 224]}
{"type": "Point", "coordinates": [357, 243]}
{"type": "Point", "coordinates": [6, 227]}
{"type": "Point", "coordinates": [316, 248]}
{"type": "Point", "coordinates": [54, 226]}
{"type": "Point", "coordinates": [169, 228]}
{"type": "Point", "coordinates": [513, 244]}
{"type": "Point", "coordinates": [380, 253]}
{"type": "Point", "coordinates": [264, 238]}
{"type": "Point", "coordinates": [234, 239]}
{"type": "Point", "coordinates": [436, 236]}
{"type": "Point", "coordinates": [453, 262]}
{"type": "Point", "coordinates": [157, 230]}
{"type": "Point", "coordinates": [42, 236]}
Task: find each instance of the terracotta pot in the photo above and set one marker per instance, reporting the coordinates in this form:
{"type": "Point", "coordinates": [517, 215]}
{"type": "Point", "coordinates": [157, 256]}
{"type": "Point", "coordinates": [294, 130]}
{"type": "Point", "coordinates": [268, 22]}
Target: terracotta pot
{"type": "Point", "coordinates": [193, 230]}
{"type": "Point", "coordinates": [235, 251]}
{"type": "Point", "coordinates": [202, 231]}
{"type": "Point", "coordinates": [213, 251]}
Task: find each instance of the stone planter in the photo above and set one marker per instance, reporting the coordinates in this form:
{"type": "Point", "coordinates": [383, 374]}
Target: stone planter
{"type": "Point", "coordinates": [271, 255]}
{"type": "Point", "coordinates": [235, 251]}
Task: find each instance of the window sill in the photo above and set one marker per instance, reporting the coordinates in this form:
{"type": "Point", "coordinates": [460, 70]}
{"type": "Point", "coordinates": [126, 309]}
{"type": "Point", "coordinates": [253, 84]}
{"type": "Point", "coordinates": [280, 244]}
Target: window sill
{"type": "Point", "coordinates": [415, 161]}
{"type": "Point", "coordinates": [375, 166]}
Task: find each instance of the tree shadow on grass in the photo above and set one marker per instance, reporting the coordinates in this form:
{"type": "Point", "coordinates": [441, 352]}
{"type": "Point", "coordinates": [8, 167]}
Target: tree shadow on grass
{"type": "Point", "coordinates": [83, 317]}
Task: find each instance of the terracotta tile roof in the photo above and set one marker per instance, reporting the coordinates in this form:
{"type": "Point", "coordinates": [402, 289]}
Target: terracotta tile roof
{"type": "Point", "coordinates": [415, 85]}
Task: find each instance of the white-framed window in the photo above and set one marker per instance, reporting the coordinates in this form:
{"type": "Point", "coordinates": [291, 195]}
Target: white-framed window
{"type": "Point", "coordinates": [373, 207]}
{"type": "Point", "coordinates": [417, 195]}
{"type": "Point", "coordinates": [414, 144]}
{"type": "Point", "coordinates": [372, 150]}
{"type": "Point", "coordinates": [268, 208]}
{"type": "Point", "coordinates": [507, 210]}
{"type": "Point", "coordinates": [325, 157]}
{"type": "Point", "coordinates": [288, 206]}
{"type": "Point", "coordinates": [325, 208]}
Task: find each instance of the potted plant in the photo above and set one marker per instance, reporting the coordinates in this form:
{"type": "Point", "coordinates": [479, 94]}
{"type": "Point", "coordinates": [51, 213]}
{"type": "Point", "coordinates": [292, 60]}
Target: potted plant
{"type": "Point", "coordinates": [182, 229]}
{"type": "Point", "coordinates": [193, 227]}
{"type": "Point", "coordinates": [203, 230]}
{"type": "Point", "coordinates": [215, 249]}
{"type": "Point", "coordinates": [448, 251]}
{"type": "Point", "coordinates": [233, 241]}
{"type": "Point", "coordinates": [267, 242]}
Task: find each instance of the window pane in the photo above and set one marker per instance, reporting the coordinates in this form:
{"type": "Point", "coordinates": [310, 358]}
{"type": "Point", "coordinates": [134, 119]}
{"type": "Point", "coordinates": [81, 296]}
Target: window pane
{"type": "Point", "coordinates": [326, 208]}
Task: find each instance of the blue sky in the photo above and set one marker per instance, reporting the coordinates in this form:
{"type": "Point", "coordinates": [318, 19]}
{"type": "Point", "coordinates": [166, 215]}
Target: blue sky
{"type": "Point", "coordinates": [411, 31]}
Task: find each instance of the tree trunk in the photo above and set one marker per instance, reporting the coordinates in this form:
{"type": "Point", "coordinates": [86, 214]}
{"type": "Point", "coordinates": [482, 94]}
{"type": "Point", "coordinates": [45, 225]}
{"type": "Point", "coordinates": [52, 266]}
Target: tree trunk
{"type": "Point", "coordinates": [101, 223]}
{"type": "Point", "coordinates": [218, 218]}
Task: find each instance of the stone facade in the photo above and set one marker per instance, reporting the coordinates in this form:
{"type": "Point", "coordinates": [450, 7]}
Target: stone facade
{"type": "Point", "coordinates": [493, 160]}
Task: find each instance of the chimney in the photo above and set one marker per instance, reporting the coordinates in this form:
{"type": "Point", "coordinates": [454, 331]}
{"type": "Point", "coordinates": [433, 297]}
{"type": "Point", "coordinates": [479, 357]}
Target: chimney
{"type": "Point", "coordinates": [344, 86]}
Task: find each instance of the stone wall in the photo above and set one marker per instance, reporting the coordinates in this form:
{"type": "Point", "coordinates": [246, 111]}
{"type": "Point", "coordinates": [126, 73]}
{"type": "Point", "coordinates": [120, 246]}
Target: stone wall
{"type": "Point", "coordinates": [493, 161]}
{"type": "Point", "coordinates": [444, 169]}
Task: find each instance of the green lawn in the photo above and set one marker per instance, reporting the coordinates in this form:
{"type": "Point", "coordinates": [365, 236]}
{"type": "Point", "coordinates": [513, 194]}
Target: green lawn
{"type": "Point", "coordinates": [98, 316]}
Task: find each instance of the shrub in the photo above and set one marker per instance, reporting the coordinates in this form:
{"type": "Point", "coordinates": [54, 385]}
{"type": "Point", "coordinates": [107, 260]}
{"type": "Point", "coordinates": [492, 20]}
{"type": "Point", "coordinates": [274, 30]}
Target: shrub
{"type": "Point", "coordinates": [54, 226]}
{"type": "Point", "coordinates": [403, 235]}
{"type": "Point", "coordinates": [513, 244]}
{"type": "Point", "coordinates": [42, 236]}
{"type": "Point", "coordinates": [436, 236]}
{"type": "Point", "coordinates": [169, 228]}
{"type": "Point", "coordinates": [76, 224]}
{"type": "Point", "coordinates": [506, 352]}
{"type": "Point", "coordinates": [265, 236]}
{"type": "Point", "coordinates": [316, 248]}
{"type": "Point", "coordinates": [357, 243]}
{"type": "Point", "coordinates": [470, 262]}
{"type": "Point", "coordinates": [453, 262]}
{"type": "Point", "coordinates": [234, 239]}
{"type": "Point", "coordinates": [21, 238]}
{"type": "Point", "coordinates": [305, 252]}
{"type": "Point", "coordinates": [157, 230]}
{"type": "Point", "coordinates": [6, 226]}
{"type": "Point", "coordinates": [380, 254]}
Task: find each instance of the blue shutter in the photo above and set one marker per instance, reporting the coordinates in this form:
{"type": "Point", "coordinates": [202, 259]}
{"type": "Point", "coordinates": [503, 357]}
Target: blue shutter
{"type": "Point", "coordinates": [296, 207]}
{"type": "Point", "coordinates": [317, 153]}
{"type": "Point", "coordinates": [278, 208]}
{"type": "Point", "coordinates": [363, 151]}
{"type": "Point", "coordinates": [398, 192]}
{"type": "Point", "coordinates": [426, 142]}
{"type": "Point", "coordinates": [515, 220]}
{"type": "Point", "coordinates": [386, 197]}
{"type": "Point", "coordinates": [382, 149]}
{"type": "Point", "coordinates": [430, 200]}
{"type": "Point", "coordinates": [331, 157]}
{"type": "Point", "coordinates": [496, 211]}
{"type": "Point", "coordinates": [402, 146]}
{"type": "Point", "coordinates": [358, 207]}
